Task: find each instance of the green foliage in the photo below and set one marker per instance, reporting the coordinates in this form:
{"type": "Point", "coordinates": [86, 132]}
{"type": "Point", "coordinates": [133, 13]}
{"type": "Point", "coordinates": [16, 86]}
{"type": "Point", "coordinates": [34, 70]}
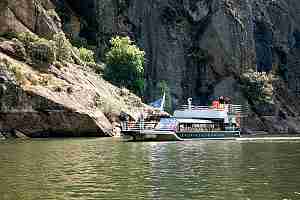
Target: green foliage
{"type": "Point", "coordinates": [125, 64]}
{"type": "Point", "coordinates": [17, 71]}
{"type": "Point", "coordinates": [257, 87]}
{"type": "Point", "coordinates": [86, 55]}
{"type": "Point", "coordinates": [164, 88]}
{"type": "Point", "coordinates": [138, 86]}
{"type": "Point", "coordinates": [79, 42]}
{"type": "Point", "coordinates": [63, 48]}
{"type": "Point", "coordinates": [27, 38]}
{"type": "Point", "coordinates": [45, 80]}
{"type": "Point", "coordinates": [43, 52]}
{"type": "Point", "coordinates": [52, 13]}
{"type": "Point", "coordinates": [9, 35]}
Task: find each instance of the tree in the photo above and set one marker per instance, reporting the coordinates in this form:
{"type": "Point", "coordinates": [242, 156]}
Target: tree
{"type": "Point", "coordinates": [125, 64]}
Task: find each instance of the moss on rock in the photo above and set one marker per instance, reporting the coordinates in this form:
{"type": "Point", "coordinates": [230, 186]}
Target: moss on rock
{"type": "Point", "coordinates": [42, 53]}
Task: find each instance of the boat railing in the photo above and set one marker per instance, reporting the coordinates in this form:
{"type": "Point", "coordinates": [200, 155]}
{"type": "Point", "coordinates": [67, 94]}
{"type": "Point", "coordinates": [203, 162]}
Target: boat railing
{"type": "Point", "coordinates": [141, 125]}
{"type": "Point", "coordinates": [233, 109]}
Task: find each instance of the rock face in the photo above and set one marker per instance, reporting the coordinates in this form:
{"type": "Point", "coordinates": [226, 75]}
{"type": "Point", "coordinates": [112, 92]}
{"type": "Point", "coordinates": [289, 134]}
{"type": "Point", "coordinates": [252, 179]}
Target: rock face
{"type": "Point", "coordinates": [191, 44]}
{"type": "Point", "coordinates": [28, 15]}
{"type": "Point", "coordinates": [70, 101]}
{"type": "Point", "coordinates": [200, 47]}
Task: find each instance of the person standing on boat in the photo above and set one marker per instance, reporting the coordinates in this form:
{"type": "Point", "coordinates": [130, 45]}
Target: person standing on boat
{"type": "Point", "coordinates": [216, 104]}
{"type": "Point", "coordinates": [222, 102]}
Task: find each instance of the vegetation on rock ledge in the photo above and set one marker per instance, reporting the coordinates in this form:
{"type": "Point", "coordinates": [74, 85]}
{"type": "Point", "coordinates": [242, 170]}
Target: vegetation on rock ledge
{"type": "Point", "coordinates": [257, 87]}
{"type": "Point", "coordinates": [125, 64]}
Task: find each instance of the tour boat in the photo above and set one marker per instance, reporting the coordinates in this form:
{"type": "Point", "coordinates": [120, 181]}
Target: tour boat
{"type": "Point", "coordinates": [189, 123]}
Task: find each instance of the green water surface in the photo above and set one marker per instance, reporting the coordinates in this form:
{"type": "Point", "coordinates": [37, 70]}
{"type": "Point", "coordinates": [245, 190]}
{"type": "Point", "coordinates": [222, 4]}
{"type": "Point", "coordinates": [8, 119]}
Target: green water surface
{"type": "Point", "coordinates": [88, 169]}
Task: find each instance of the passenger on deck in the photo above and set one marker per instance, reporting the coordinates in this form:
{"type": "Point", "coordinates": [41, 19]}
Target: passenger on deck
{"type": "Point", "coordinates": [227, 100]}
{"type": "Point", "coordinates": [222, 102]}
{"type": "Point", "coordinates": [215, 104]}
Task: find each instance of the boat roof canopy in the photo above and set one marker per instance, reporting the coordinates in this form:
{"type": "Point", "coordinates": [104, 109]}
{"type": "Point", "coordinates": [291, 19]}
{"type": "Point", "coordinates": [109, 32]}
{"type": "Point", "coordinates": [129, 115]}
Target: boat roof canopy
{"type": "Point", "coordinates": [200, 114]}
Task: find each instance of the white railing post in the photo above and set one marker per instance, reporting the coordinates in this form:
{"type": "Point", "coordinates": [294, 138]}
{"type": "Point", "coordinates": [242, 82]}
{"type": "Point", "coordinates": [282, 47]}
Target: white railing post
{"type": "Point", "coordinates": [190, 103]}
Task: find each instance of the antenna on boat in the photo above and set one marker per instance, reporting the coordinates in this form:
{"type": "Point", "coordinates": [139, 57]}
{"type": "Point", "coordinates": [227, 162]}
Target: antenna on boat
{"type": "Point", "coordinates": [190, 103]}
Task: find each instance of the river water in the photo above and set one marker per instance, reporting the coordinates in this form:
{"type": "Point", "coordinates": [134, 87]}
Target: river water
{"type": "Point", "coordinates": [87, 169]}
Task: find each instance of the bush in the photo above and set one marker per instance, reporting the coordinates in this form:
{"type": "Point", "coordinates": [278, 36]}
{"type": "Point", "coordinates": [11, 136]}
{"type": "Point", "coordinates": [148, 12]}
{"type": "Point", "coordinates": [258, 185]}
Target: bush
{"type": "Point", "coordinates": [42, 52]}
{"type": "Point", "coordinates": [52, 13]}
{"type": "Point", "coordinates": [45, 80]}
{"type": "Point", "coordinates": [27, 38]}
{"type": "Point", "coordinates": [79, 42]}
{"type": "Point", "coordinates": [17, 71]}
{"type": "Point", "coordinates": [9, 35]}
{"type": "Point", "coordinates": [86, 55]}
{"type": "Point", "coordinates": [125, 64]}
{"type": "Point", "coordinates": [257, 87]}
{"type": "Point", "coordinates": [63, 48]}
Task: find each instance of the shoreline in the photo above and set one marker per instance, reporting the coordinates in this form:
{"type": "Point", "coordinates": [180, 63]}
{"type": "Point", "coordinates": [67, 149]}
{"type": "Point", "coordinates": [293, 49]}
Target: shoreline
{"type": "Point", "coordinates": [256, 137]}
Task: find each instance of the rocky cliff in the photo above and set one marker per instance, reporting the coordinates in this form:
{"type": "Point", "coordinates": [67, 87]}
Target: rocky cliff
{"type": "Point", "coordinates": [201, 48]}
{"type": "Point", "coordinates": [46, 90]}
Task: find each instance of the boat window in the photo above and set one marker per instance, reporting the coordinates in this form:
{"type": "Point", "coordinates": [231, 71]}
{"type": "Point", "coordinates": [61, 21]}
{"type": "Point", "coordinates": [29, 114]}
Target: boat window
{"type": "Point", "coordinates": [189, 127]}
{"type": "Point", "coordinates": [167, 124]}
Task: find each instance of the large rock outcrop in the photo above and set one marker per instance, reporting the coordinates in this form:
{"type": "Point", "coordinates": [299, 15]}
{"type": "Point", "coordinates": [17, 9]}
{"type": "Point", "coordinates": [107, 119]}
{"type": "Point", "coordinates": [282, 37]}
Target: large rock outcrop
{"type": "Point", "coordinates": [29, 15]}
{"type": "Point", "coordinates": [201, 47]}
{"type": "Point", "coordinates": [71, 100]}
{"type": "Point", "coordinates": [42, 92]}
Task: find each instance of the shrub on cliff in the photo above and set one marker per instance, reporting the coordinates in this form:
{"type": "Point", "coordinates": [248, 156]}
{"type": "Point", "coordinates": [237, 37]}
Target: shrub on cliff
{"type": "Point", "coordinates": [63, 48]}
{"type": "Point", "coordinates": [8, 35]}
{"type": "Point", "coordinates": [257, 87]}
{"type": "Point", "coordinates": [86, 55]}
{"type": "Point", "coordinates": [125, 64]}
{"type": "Point", "coordinates": [27, 38]}
{"type": "Point", "coordinates": [17, 72]}
{"type": "Point", "coordinates": [42, 53]}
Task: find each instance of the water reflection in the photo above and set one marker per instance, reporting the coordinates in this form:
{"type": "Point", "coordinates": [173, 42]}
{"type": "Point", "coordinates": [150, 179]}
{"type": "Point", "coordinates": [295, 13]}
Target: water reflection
{"type": "Point", "coordinates": [110, 169]}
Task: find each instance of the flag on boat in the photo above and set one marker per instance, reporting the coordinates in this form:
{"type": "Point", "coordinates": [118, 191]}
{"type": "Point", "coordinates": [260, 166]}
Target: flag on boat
{"type": "Point", "coordinates": [159, 103]}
